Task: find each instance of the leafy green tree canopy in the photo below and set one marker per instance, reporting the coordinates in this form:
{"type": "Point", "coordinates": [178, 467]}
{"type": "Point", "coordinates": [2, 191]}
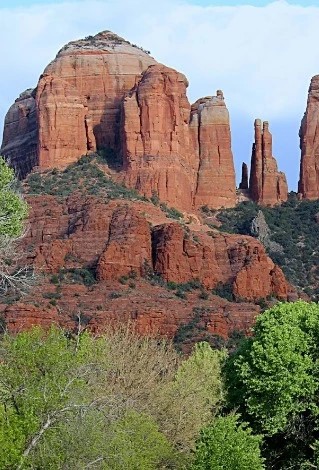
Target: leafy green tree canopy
{"type": "Point", "coordinates": [13, 210]}
{"type": "Point", "coordinates": [274, 376]}
{"type": "Point", "coordinates": [227, 445]}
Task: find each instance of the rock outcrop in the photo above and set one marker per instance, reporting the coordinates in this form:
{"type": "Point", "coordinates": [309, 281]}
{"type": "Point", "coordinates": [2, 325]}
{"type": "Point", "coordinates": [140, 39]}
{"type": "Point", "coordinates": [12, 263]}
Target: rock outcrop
{"type": "Point", "coordinates": [128, 247]}
{"type": "Point", "coordinates": [244, 183]}
{"type": "Point", "coordinates": [210, 128]}
{"type": "Point", "coordinates": [267, 186]}
{"type": "Point", "coordinates": [102, 93]}
{"type": "Point", "coordinates": [157, 155]}
{"type": "Point", "coordinates": [20, 135]}
{"type": "Point", "coordinates": [308, 186]}
{"type": "Point", "coordinates": [180, 153]}
{"type": "Point", "coordinates": [223, 259]}
{"type": "Point", "coordinates": [75, 107]}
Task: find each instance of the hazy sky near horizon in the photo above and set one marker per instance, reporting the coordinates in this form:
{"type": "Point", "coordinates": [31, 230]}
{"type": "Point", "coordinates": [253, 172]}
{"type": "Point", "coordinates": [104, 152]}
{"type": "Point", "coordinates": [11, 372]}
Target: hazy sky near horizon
{"type": "Point", "coordinates": [262, 54]}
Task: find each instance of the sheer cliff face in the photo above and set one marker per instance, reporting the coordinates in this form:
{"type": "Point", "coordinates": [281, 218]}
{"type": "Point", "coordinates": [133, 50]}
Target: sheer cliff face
{"type": "Point", "coordinates": [157, 155]}
{"type": "Point", "coordinates": [76, 105]}
{"type": "Point", "coordinates": [215, 184]}
{"type": "Point", "coordinates": [309, 144]}
{"type": "Point", "coordinates": [104, 93]}
{"type": "Point", "coordinates": [20, 136]}
{"type": "Point", "coordinates": [267, 185]}
{"type": "Point", "coordinates": [181, 153]}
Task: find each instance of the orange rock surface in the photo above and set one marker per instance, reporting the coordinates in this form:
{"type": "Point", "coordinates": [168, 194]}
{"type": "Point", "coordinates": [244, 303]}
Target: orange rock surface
{"type": "Point", "coordinates": [128, 247]}
{"type": "Point", "coordinates": [102, 93]}
{"type": "Point", "coordinates": [180, 153]}
{"type": "Point", "coordinates": [267, 186]}
{"type": "Point", "coordinates": [220, 258]}
{"type": "Point", "coordinates": [77, 102]}
{"type": "Point", "coordinates": [20, 134]}
{"type": "Point", "coordinates": [215, 182]}
{"type": "Point", "coordinates": [157, 155]}
{"type": "Point", "coordinates": [309, 144]}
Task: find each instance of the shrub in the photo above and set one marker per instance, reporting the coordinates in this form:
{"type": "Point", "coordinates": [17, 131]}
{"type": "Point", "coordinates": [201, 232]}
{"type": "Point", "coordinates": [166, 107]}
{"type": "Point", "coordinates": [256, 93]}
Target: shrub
{"type": "Point", "coordinates": [224, 290]}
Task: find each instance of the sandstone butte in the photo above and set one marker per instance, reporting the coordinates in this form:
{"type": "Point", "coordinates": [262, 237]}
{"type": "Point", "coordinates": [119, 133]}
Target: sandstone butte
{"type": "Point", "coordinates": [267, 185]}
{"type": "Point", "coordinates": [308, 186]}
{"type": "Point", "coordinates": [102, 93]}
{"type": "Point", "coordinates": [75, 106]}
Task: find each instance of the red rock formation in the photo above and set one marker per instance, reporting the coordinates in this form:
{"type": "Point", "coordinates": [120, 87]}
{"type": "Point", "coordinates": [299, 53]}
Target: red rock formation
{"type": "Point", "coordinates": [77, 102]}
{"type": "Point", "coordinates": [225, 259]}
{"type": "Point", "coordinates": [309, 144]}
{"type": "Point", "coordinates": [20, 317]}
{"type": "Point", "coordinates": [21, 134]}
{"type": "Point", "coordinates": [117, 237]}
{"type": "Point", "coordinates": [103, 93]}
{"type": "Point", "coordinates": [184, 158]}
{"type": "Point", "coordinates": [244, 177]}
{"type": "Point", "coordinates": [267, 185]}
{"type": "Point", "coordinates": [215, 185]}
{"type": "Point", "coordinates": [65, 130]}
{"type": "Point", "coordinates": [128, 247]}
{"type": "Point", "coordinates": [156, 148]}
{"type": "Point", "coordinates": [84, 232]}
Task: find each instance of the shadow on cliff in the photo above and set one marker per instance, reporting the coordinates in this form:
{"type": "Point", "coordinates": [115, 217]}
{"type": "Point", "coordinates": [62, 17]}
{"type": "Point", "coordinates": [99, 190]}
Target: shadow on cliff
{"type": "Point", "coordinates": [111, 157]}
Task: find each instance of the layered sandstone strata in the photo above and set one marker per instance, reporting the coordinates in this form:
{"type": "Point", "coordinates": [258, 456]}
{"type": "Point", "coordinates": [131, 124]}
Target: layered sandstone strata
{"type": "Point", "coordinates": [75, 107]}
{"type": "Point", "coordinates": [210, 128]}
{"type": "Point", "coordinates": [102, 93]}
{"type": "Point", "coordinates": [20, 135]}
{"type": "Point", "coordinates": [267, 185]}
{"type": "Point", "coordinates": [158, 158]}
{"type": "Point", "coordinates": [180, 153]}
{"type": "Point", "coordinates": [309, 144]}
{"type": "Point", "coordinates": [121, 237]}
{"type": "Point", "coordinates": [116, 239]}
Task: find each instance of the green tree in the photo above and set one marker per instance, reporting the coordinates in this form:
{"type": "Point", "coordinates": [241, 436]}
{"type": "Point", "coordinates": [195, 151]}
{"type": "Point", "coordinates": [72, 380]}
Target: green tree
{"type": "Point", "coordinates": [227, 445]}
{"type": "Point", "coordinates": [193, 397]}
{"type": "Point", "coordinates": [13, 210]}
{"type": "Point", "coordinates": [273, 379]}
{"type": "Point", "coordinates": [44, 378]}
{"type": "Point", "coordinates": [136, 443]}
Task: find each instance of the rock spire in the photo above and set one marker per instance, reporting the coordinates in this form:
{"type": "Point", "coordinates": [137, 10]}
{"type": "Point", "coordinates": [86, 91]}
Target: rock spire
{"type": "Point", "coordinates": [309, 144]}
{"type": "Point", "coordinates": [267, 185]}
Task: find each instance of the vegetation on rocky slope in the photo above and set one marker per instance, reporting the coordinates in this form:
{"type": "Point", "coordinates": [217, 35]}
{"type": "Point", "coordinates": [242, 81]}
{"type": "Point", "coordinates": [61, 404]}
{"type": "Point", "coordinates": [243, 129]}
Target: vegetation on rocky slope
{"type": "Point", "coordinates": [294, 227]}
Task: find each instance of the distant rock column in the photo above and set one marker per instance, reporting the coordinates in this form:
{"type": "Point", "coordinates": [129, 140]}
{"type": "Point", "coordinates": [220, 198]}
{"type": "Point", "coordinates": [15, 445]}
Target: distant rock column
{"type": "Point", "coordinates": [267, 185]}
{"type": "Point", "coordinates": [244, 177]}
{"type": "Point", "coordinates": [256, 167]}
{"type": "Point", "coordinates": [309, 144]}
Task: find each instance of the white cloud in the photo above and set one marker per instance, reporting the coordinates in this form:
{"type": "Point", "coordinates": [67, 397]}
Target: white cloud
{"type": "Point", "coordinates": [263, 58]}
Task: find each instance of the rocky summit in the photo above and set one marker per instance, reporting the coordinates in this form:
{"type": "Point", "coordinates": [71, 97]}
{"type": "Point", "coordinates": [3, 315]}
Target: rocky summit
{"type": "Point", "coordinates": [104, 94]}
{"type": "Point", "coordinates": [267, 186]}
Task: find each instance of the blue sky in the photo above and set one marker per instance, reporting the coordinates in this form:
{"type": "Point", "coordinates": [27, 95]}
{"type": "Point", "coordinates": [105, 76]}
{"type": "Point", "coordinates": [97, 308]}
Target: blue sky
{"type": "Point", "coordinates": [257, 3]}
{"type": "Point", "coordinates": [262, 58]}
